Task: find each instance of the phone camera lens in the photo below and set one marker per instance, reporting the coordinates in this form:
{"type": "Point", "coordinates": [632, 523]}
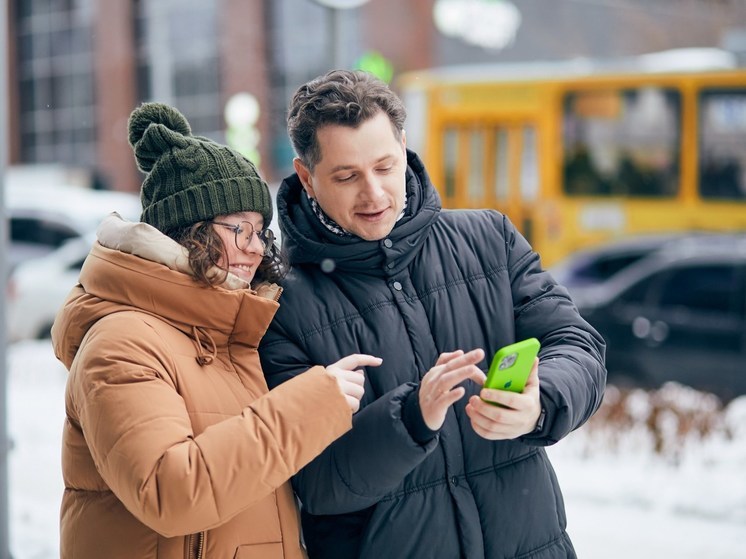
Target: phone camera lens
{"type": "Point", "coordinates": [508, 361]}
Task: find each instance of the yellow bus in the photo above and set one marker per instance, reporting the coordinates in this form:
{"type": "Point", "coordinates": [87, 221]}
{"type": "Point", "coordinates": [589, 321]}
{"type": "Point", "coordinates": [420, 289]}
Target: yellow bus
{"type": "Point", "coordinates": [579, 152]}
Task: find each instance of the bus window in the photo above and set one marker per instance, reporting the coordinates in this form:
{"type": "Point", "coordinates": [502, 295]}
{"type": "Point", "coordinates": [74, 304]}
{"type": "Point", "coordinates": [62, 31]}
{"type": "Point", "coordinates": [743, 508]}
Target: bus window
{"type": "Point", "coordinates": [476, 166]}
{"type": "Point", "coordinates": [621, 142]}
{"type": "Point", "coordinates": [450, 157]}
{"type": "Point", "coordinates": [502, 164]}
{"type": "Point", "coordinates": [529, 165]}
{"type": "Point", "coordinates": [722, 161]}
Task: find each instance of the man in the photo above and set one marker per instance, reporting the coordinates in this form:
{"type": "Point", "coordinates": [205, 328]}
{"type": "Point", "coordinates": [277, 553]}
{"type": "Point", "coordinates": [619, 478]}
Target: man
{"type": "Point", "coordinates": [429, 469]}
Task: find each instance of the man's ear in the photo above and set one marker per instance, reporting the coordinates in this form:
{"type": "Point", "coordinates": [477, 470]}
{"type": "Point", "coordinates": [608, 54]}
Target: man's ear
{"type": "Point", "coordinates": [305, 176]}
{"type": "Point", "coordinates": [404, 139]}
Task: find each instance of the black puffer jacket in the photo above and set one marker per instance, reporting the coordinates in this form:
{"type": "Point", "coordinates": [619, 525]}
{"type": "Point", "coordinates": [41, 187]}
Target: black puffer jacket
{"type": "Point", "coordinates": [441, 281]}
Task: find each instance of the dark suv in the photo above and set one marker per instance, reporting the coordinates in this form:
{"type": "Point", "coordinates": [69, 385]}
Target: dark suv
{"type": "Point", "coordinates": [585, 270]}
{"type": "Point", "coordinates": [678, 314]}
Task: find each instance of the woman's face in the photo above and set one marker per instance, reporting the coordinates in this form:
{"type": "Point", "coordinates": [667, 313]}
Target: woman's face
{"type": "Point", "coordinates": [244, 249]}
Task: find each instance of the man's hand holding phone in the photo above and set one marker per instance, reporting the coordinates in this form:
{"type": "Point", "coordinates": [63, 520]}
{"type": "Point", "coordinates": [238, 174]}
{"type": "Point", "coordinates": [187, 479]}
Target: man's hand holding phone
{"type": "Point", "coordinates": [500, 413]}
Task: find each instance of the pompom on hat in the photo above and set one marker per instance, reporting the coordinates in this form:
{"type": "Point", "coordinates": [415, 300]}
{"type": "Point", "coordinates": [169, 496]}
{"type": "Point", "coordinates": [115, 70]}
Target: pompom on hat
{"type": "Point", "coordinates": [190, 178]}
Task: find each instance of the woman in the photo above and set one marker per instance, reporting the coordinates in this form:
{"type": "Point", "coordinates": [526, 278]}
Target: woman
{"type": "Point", "coordinates": [173, 446]}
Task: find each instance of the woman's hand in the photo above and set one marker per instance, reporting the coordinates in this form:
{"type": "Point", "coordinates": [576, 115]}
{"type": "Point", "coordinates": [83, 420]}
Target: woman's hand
{"type": "Point", "coordinates": [350, 378]}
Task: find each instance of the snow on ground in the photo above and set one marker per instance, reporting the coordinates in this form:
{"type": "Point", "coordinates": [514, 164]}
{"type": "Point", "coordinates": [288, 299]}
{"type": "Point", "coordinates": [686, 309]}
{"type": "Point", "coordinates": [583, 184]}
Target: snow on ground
{"type": "Point", "coordinates": [622, 499]}
{"type": "Point", "coordinates": [635, 504]}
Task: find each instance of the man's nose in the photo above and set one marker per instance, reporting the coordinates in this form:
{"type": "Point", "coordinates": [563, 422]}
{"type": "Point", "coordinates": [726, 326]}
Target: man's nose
{"type": "Point", "coordinates": [373, 187]}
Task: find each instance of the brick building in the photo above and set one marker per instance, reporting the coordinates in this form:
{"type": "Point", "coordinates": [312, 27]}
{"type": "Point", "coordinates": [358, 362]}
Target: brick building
{"type": "Point", "coordinates": [78, 67]}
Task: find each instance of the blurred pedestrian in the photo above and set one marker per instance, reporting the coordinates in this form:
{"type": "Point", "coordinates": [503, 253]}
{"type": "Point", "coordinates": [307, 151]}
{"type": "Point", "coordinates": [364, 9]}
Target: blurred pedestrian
{"type": "Point", "coordinates": [173, 446]}
{"type": "Point", "coordinates": [429, 469]}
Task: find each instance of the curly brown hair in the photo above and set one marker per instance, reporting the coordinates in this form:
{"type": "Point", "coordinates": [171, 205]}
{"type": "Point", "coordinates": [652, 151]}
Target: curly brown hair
{"type": "Point", "coordinates": [205, 249]}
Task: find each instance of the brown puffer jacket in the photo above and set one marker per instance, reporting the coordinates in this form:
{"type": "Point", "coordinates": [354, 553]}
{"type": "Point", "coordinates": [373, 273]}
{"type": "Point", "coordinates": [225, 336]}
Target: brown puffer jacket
{"type": "Point", "coordinates": [173, 447]}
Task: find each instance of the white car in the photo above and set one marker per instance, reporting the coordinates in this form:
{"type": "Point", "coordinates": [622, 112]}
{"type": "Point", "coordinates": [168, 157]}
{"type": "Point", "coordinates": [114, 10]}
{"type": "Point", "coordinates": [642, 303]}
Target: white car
{"type": "Point", "coordinates": [38, 287]}
{"type": "Point", "coordinates": [42, 216]}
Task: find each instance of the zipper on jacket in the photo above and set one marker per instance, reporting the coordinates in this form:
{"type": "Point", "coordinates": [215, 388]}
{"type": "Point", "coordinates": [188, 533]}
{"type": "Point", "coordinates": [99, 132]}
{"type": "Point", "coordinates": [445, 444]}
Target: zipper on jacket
{"type": "Point", "coordinates": [195, 549]}
{"type": "Point", "coordinates": [277, 294]}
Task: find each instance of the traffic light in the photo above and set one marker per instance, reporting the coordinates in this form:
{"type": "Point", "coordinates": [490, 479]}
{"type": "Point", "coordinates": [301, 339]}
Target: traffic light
{"type": "Point", "coordinates": [375, 63]}
{"type": "Point", "coordinates": [241, 117]}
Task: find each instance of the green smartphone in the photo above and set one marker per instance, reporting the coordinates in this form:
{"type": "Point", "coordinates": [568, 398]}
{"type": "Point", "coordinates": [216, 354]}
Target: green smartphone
{"type": "Point", "coordinates": [511, 365]}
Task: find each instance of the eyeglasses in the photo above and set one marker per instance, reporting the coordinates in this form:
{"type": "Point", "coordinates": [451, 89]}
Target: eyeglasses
{"type": "Point", "coordinates": [243, 232]}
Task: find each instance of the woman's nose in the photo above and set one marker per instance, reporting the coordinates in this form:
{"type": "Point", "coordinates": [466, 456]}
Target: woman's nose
{"type": "Point", "coordinates": [255, 244]}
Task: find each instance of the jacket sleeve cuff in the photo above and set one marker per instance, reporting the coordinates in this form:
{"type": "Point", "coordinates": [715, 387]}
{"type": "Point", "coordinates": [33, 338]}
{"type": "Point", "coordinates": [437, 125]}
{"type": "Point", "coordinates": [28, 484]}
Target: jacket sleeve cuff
{"type": "Point", "coordinates": [540, 435]}
{"type": "Point", "coordinates": [414, 422]}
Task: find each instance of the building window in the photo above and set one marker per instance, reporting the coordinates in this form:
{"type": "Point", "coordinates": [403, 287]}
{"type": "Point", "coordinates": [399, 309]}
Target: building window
{"type": "Point", "coordinates": [178, 60]}
{"type": "Point", "coordinates": [56, 89]}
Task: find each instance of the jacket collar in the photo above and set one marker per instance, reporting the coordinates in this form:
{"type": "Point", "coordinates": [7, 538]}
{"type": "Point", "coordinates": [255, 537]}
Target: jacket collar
{"type": "Point", "coordinates": [114, 280]}
{"type": "Point", "coordinates": [145, 241]}
{"type": "Point", "coordinates": [307, 241]}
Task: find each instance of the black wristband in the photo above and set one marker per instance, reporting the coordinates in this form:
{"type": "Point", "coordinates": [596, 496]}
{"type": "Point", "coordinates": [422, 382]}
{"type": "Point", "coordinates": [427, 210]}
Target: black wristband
{"type": "Point", "coordinates": [414, 422]}
{"type": "Point", "coordinates": [540, 421]}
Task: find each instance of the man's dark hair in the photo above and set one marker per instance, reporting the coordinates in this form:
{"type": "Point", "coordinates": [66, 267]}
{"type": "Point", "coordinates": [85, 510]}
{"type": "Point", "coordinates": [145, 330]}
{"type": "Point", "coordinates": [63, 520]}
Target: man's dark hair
{"type": "Point", "coordinates": [341, 97]}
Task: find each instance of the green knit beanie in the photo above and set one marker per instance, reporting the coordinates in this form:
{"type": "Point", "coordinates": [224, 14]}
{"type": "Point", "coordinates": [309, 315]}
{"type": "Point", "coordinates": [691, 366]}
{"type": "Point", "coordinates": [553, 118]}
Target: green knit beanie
{"type": "Point", "coordinates": [190, 178]}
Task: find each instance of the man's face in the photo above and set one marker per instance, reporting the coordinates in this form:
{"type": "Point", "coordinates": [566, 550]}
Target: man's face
{"type": "Point", "coordinates": [359, 181]}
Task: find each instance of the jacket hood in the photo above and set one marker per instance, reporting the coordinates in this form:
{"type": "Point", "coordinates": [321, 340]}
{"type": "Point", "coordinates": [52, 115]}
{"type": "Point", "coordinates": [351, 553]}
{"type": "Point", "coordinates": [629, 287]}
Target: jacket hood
{"type": "Point", "coordinates": [134, 267]}
{"type": "Point", "coordinates": [307, 241]}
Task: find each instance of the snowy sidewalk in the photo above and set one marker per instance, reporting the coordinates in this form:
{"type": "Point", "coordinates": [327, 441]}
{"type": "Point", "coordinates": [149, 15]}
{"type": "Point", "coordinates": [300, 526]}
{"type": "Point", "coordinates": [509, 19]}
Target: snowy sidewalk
{"type": "Point", "coordinates": [618, 506]}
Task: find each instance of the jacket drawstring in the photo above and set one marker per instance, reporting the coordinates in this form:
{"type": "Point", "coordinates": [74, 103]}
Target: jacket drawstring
{"type": "Point", "coordinates": [198, 336]}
